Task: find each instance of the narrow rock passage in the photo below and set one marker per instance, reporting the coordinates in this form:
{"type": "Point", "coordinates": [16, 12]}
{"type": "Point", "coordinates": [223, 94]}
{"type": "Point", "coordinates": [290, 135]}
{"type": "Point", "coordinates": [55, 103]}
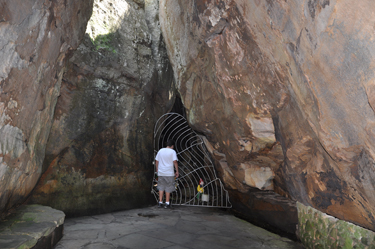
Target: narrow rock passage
{"type": "Point", "coordinates": [181, 227]}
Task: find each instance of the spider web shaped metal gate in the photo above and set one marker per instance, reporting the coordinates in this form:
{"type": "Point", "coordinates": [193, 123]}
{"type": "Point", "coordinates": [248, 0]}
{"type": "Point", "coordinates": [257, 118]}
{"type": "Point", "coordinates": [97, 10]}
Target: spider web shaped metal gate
{"type": "Point", "coordinates": [194, 163]}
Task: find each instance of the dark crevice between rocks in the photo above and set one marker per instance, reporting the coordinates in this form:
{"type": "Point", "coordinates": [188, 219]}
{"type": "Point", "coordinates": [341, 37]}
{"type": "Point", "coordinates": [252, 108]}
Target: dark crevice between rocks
{"type": "Point", "coordinates": [179, 107]}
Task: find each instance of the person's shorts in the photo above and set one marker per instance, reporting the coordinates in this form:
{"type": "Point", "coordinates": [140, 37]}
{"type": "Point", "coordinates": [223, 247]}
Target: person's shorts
{"type": "Point", "coordinates": [166, 183]}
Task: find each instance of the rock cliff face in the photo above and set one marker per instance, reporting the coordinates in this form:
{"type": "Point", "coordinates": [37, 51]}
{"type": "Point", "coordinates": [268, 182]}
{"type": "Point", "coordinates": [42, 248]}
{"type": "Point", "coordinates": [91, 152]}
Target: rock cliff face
{"type": "Point", "coordinates": [35, 37]}
{"type": "Point", "coordinates": [117, 83]}
{"type": "Point", "coordinates": [283, 90]}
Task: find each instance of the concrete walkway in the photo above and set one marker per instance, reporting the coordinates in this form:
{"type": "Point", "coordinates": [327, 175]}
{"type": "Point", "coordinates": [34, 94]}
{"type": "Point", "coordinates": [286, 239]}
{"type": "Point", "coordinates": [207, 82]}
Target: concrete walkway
{"type": "Point", "coordinates": [181, 227]}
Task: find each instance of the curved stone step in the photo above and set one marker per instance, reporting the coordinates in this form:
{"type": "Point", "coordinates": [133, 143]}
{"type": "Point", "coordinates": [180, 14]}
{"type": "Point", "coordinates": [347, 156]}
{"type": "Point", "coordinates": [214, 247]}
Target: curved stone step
{"type": "Point", "coordinates": [32, 226]}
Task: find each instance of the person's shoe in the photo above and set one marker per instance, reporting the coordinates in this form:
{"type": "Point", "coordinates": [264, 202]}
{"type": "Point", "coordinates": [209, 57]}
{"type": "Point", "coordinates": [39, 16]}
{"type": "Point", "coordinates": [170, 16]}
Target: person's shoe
{"type": "Point", "coordinates": [160, 205]}
{"type": "Point", "coordinates": [169, 206]}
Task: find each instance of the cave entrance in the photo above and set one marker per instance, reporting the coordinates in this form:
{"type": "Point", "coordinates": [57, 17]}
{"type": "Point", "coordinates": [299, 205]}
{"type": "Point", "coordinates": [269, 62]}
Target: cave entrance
{"type": "Point", "coordinates": [194, 164]}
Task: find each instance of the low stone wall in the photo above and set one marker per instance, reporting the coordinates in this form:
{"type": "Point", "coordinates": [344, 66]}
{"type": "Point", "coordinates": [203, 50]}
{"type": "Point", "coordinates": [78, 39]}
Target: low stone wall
{"type": "Point", "coordinates": [267, 210]}
{"type": "Point", "coordinates": [319, 230]}
{"type": "Point", "coordinates": [32, 226]}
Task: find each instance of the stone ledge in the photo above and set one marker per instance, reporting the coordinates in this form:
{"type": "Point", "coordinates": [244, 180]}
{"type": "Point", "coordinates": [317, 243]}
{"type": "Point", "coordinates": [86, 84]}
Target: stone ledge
{"type": "Point", "coordinates": [267, 210]}
{"type": "Point", "coordinates": [32, 226]}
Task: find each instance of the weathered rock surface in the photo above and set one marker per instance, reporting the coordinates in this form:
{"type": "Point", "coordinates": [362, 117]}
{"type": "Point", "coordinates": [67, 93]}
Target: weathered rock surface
{"type": "Point", "coordinates": [117, 83]}
{"type": "Point", "coordinates": [284, 85]}
{"type": "Point", "coordinates": [35, 37]}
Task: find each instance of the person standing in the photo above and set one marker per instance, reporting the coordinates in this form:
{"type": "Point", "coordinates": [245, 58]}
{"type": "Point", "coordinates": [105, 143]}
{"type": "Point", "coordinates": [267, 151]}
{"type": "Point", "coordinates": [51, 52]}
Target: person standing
{"type": "Point", "coordinates": [166, 164]}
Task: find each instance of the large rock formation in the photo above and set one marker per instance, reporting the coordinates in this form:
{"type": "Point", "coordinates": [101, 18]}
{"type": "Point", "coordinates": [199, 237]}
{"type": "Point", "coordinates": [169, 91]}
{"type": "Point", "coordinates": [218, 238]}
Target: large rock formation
{"type": "Point", "coordinates": [117, 83]}
{"type": "Point", "coordinates": [282, 86]}
{"type": "Point", "coordinates": [34, 39]}
{"type": "Point", "coordinates": [283, 91]}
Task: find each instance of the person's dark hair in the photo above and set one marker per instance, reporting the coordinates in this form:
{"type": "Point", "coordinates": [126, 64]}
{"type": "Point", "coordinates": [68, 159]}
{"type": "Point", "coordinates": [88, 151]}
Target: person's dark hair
{"type": "Point", "coordinates": [170, 143]}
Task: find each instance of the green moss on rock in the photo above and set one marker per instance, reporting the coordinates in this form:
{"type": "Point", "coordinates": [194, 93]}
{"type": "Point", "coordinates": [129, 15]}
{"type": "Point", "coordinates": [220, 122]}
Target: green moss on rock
{"type": "Point", "coordinates": [105, 41]}
{"type": "Point", "coordinates": [364, 241]}
{"type": "Point", "coordinates": [319, 230]}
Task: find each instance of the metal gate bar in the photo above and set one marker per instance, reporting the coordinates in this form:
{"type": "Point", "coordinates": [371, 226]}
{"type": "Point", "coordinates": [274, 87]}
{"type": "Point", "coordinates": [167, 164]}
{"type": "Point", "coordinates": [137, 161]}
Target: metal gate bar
{"type": "Point", "coordinates": [194, 163]}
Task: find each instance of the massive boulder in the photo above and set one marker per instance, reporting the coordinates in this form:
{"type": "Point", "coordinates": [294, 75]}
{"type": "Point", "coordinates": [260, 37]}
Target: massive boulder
{"type": "Point", "coordinates": [35, 37]}
{"type": "Point", "coordinates": [284, 87]}
{"type": "Point", "coordinates": [117, 83]}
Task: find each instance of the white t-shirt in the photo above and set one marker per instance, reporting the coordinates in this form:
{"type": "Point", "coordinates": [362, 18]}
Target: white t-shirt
{"type": "Point", "coordinates": [165, 157]}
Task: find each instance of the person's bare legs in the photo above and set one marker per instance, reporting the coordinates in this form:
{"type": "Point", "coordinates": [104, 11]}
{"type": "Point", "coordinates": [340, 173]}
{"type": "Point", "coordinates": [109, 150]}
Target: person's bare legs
{"type": "Point", "coordinates": [161, 196]}
{"type": "Point", "coordinates": [167, 195]}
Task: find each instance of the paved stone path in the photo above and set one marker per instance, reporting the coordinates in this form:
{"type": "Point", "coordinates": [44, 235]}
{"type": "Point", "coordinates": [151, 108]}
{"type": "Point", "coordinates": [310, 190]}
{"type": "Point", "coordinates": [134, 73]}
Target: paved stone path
{"type": "Point", "coordinates": [181, 227]}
